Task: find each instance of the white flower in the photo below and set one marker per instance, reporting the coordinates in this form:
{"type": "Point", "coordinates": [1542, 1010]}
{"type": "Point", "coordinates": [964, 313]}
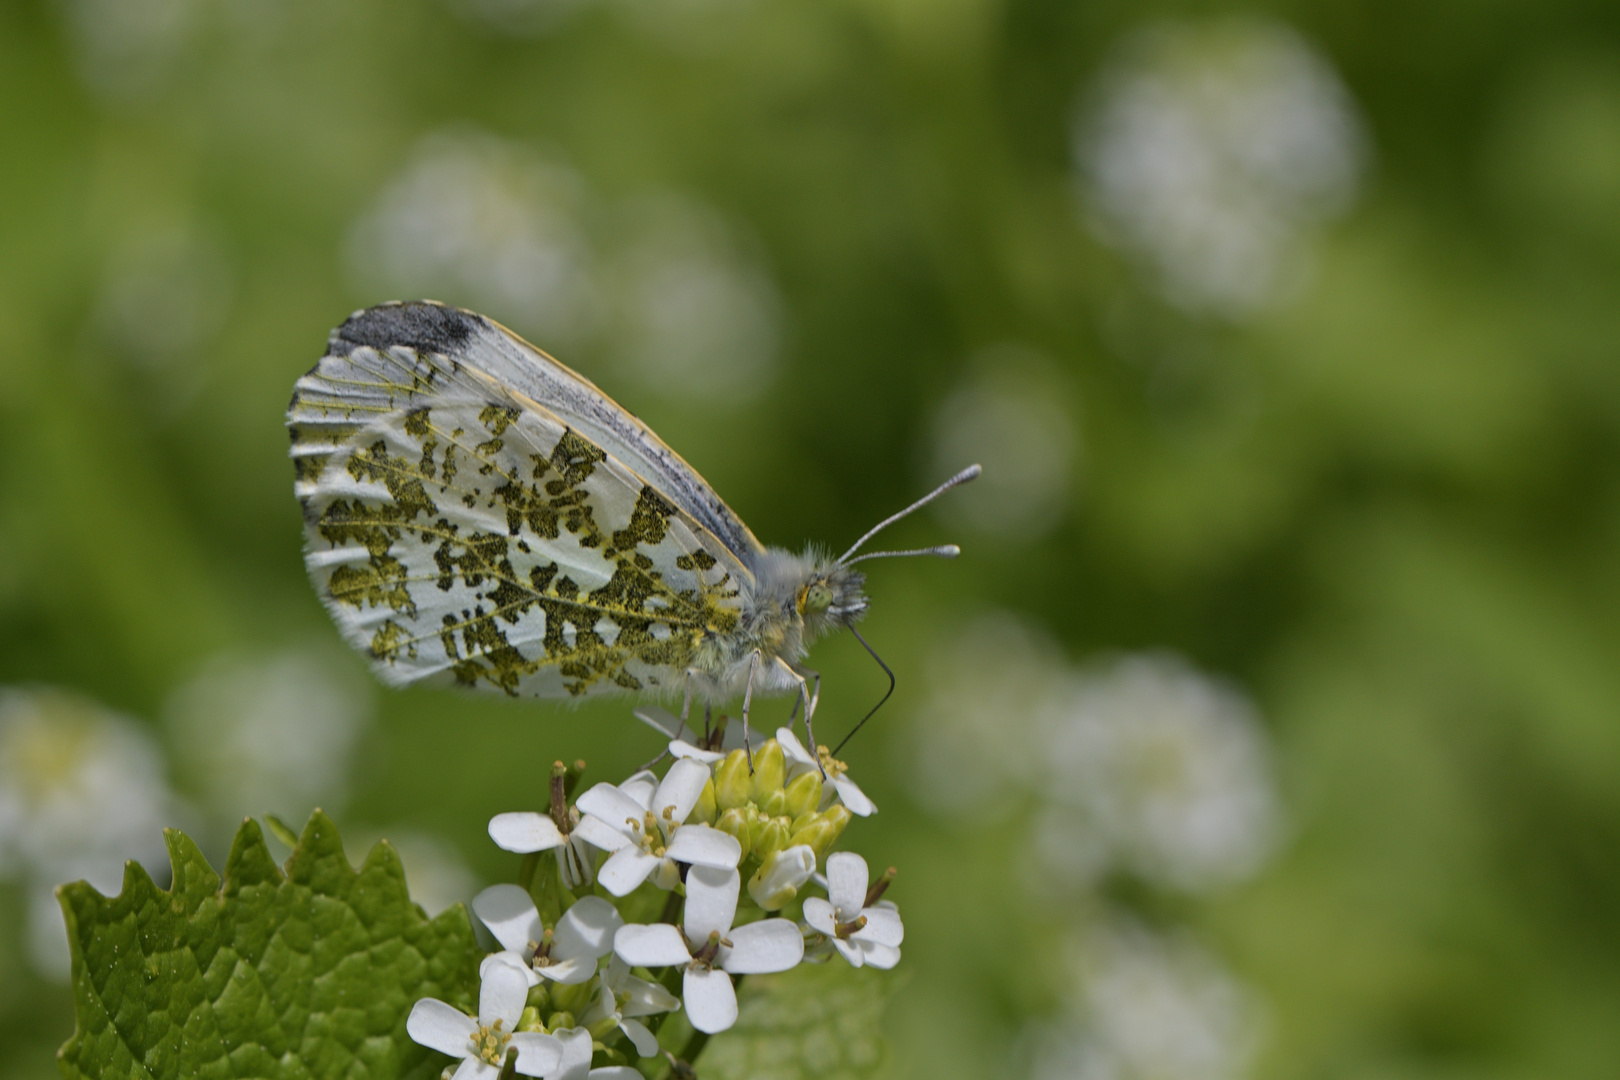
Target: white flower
{"type": "Point", "coordinates": [526, 831]}
{"type": "Point", "coordinates": [643, 828]}
{"type": "Point", "coordinates": [566, 954]}
{"type": "Point", "coordinates": [577, 1046]}
{"type": "Point", "coordinates": [719, 952]}
{"type": "Point", "coordinates": [482, 1044]}
{"type": "Point", "coordinates": [801, 761]}
{"type": "Point", "coordinates": [625, 997]}
{"type": "Point", "coordinates": [780, 876]}
{"type": "Point", "coordinates": [863, 934]}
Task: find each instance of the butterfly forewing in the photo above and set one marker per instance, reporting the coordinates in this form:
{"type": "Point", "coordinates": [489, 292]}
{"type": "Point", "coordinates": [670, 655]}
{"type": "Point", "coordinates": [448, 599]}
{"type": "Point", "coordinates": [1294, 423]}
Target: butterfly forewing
{"type": "Point", "coordinates": [482, 540]}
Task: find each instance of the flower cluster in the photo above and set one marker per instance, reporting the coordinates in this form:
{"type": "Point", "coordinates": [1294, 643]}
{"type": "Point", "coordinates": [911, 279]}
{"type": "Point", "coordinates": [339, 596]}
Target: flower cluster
{"type": "Point", "coordinates": [654, 896]}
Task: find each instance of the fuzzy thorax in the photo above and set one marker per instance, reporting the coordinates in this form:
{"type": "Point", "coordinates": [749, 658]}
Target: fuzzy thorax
{"type": "Point", "coordinates": [795, 599]}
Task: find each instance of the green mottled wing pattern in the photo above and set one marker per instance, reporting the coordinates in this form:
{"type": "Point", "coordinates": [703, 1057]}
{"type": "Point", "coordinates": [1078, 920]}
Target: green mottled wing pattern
{"type": "Point", "coordinates": [461, 535]}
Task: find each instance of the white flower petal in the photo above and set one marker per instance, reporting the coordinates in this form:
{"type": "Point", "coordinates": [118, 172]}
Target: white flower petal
{"type": "Point", "coordinates": [654, 945]}
{"type": "Point", "coordinates": [711, 1000]}
{"type": "Point", "coordinates": [476, 1069]}
{"type": "Point", "coordinates": [524, 831]}
{"type": "Point", "coordinates": [612, 805]}
{"type": "Point", "coordinates": [661, 720]}
{"type": "Point", "coordinates": [570, 972]}
{"type": "Point", "coordinates": [846, 883]}
{"type": "Point", "coordinates": [711, 902]}
{"type": "Point", "coordinates": [510, 915]}
{"type": "Point", "coordinates": [764, 946]}
{"type": "Point", "coordinates": [798, 758]}
{"type": "Point", "coordinates": [849, 951]}
{"type": "Point", "coordinates": [617, 1072]}
{"type": "Point", "coordinates": [883, 927]}
{"type": "Point", "coordinates": [640, 787]}
{"type": "Point", "coordinates": [679, 790]}
{"type": "Point", "coordinates": [853, 797]}
{"type": "Point", "coordinates": [778, 881]}
{"type": "Point", "coordinates": [646, 998]}
{"type": "Point", "coordinates": [880, 956]}
{"type": "Point", "coordinates": [680, 748]}
{"type": "Point", "coordinates": [701, 845]}
{"type": "Point", "coordinates": [501, 995]}
{"type": "Point", "coordinates": [575, 1063]}
{"type": "Point", "coordinates": [625, 869]}
{"type": "Point", "coordinates": [586, 929]}
{"type": "Point", "coordinates": [597, 832]}
{"type": "Point", "coordinates": [441, 1027]}
{"type": "Point", "coordinates": [513, 960]}
{"type": "Point", "coordinates": [537, 1054]}
{"type": "Point", "coordinates": [645, 1042]}
{"type": "Point", "coordinates": [820, 915]}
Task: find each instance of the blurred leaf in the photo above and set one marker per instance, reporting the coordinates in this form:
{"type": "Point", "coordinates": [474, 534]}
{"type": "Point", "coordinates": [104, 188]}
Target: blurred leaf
{"type": "Point", "coordinates": [310, 972]}
{"type": "Point", "coordinates": [813, 1021]}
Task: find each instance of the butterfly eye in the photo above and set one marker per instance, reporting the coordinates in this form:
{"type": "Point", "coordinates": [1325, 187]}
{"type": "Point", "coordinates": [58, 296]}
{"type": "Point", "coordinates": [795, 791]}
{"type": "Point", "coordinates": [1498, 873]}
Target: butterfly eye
{"type": "Point", "coordinates": [815, 598]}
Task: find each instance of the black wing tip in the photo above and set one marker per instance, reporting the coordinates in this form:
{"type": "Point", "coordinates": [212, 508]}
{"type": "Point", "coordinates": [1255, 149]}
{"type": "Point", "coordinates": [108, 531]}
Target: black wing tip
{"type": "Point", "coordinates": [423, 325]}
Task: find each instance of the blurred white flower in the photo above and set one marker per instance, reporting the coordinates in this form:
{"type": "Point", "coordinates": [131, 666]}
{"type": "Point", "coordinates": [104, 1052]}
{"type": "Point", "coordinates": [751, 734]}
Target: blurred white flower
{"type": "Point", "coordinates": [124, 49]}
{"type": "Point", "coordinates": [972, 741]}
{"type": "Point", "coordinates": [694, 314]}
{"type": "Point", "coordinates": [164, 294]}
{"type": "Point", "coordinates": [491, 224]}
{"type": "Point", "coordinates": [274, 734]}
{"type": "Point", "coordinates": [1208, 152]}
{"type": "Point", "coordinates": [81, 792]}
{"type": "Point", "coordinates": [1147, 1007]}
{"type": "Point", "coordinates": [1011, 417]}
{"type": "Point", "coordinates": [1146, 764]}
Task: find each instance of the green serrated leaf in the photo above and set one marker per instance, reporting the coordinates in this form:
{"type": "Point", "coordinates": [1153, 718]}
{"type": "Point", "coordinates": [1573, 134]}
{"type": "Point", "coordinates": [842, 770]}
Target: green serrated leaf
{"type": "Point", "coordinates": [817, 1021]}
{"type": "Point", "coordinates": [304, 974]}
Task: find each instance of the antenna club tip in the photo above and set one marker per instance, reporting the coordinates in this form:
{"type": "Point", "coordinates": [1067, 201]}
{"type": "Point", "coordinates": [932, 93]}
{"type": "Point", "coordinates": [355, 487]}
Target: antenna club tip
{"type": "Point", "coordinates": [971, 472]}
{"type": "Point", "coordinates": [949, 551]}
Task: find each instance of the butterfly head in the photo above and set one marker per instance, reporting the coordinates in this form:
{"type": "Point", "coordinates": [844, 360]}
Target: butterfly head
{"type": "Point", "coordinates": [832, 596]}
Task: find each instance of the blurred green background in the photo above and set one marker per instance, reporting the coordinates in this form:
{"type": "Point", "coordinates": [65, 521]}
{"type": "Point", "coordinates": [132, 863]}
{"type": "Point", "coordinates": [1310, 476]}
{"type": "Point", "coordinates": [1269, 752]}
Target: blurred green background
{"type": "Point", "coordinates": [1267, 725]}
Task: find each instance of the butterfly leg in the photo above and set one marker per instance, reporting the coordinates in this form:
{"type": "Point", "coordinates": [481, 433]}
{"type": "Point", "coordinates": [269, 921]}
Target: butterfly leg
{"type": "Point", "coordinates": [748, 697]}
{"type": "Point", "coordinates": [809, 699]}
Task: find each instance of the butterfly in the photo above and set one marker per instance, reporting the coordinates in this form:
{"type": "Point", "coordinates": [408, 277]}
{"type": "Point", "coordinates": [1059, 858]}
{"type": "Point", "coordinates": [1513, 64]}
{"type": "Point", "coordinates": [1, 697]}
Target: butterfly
{"type": "Point", "coordinates": [478, 514]}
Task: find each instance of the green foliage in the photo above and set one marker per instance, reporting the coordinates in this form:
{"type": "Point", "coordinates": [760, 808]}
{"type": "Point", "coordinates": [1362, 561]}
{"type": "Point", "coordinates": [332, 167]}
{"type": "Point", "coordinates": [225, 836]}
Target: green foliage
{"type": "Point", "coordinates": [304, 973]}
{"type": "Point", "coordinates": [823, 1021]}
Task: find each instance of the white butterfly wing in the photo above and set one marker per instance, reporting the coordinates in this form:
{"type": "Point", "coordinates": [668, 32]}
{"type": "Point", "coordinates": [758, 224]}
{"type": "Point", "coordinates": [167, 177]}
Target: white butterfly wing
{"type": "Point", "coordinates": [464, 538]}
{"type": "Point", "coordinates": [485, 357]}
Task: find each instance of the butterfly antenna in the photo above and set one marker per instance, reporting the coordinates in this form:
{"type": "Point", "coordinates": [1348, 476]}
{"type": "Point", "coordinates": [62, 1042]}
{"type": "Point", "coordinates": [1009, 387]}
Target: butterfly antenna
{"type": "Point", "coordinates": [960, 478]}
{"type": "Point", "coordinates": [886, 671]}
{"type": "Point", "coordinates": [944, 551]}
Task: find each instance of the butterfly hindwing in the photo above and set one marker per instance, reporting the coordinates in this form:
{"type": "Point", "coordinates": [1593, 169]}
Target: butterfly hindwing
{"type": "Point", "coordinates": [459, 539]}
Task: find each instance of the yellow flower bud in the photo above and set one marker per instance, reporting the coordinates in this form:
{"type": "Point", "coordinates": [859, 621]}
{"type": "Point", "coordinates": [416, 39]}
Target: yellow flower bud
{"type": "Point", "coordinates": [731, 781]}
{"type": "Point", "coordinates": [823, 830]}
{"type": "Point", "coordinates": [772, 838]}
{"type": "Point", "coordinates": [802, 796]}
{"type": "Point", "coordinates": [770, 766]}
{"type": "Point", "coordinates": [775, 804]}
{"type": "Point", "coordinates": [705, 810]}
{"type": "Point", "coordinates": [734, 822]}
{"type": "Point", "coordinates": [530, 1021]}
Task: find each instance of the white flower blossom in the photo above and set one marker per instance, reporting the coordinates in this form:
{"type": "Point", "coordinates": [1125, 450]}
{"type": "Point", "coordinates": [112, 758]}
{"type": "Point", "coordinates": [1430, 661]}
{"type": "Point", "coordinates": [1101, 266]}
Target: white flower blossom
{"type": "Point", "coordinates": [566, 954]}
{"type": "Point", "coordinates": [577, 1046]}
{"type": "Point", "coordinates": [801, 761]}
{"type": "Point", "coordinates": [525, 832]}
{"type": "Point", "coordinates": [623, 998]}
{"type": "Point", "coordinates": [482, 1043]}
{"type": "Point", "coordinates": [644, 831]}
{"type": "Point", "coordinates": [710, 948]}
{"type": "Point", "coordinates": [863, 934]}
{"type": "Point", "coordinates": [781, 875]}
